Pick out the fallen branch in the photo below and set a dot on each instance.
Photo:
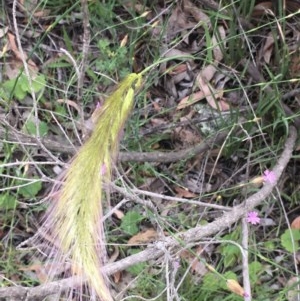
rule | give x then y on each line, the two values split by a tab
10	135
156	250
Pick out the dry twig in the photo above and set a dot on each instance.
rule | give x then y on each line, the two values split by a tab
12	136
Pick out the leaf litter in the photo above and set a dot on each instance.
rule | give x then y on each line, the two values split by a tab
190	31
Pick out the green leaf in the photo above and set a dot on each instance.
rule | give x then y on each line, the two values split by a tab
19	87
286	240
14	87
211	282
30	128
30	190
38	84
231	253
254	268
269	245
103	44
7	201
130	222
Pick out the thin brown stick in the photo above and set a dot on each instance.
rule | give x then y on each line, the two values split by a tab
10	135
192	236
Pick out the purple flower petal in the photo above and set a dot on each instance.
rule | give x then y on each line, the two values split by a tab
253	218
269	176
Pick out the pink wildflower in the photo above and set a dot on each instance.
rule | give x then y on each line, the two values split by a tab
269	176
253	218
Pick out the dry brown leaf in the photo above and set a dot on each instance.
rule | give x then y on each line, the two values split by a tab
197	266
72	104
190	100
210	93
196	12
39	271
117	276
261	8
186	136
12	69
124	41
295	64
203	80
42	13
157	121
176	53
139	8
216	40
178	22
42	271
268	47
184	193
195	97
178	69
296	223
147	236
119	214
205	76
13	46
220	105
156	106
216	104
235	287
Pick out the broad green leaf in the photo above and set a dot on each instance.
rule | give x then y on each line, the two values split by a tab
269	245
7	201
30	190
286	240
15	88
254	268
211	282
19	87
230	254
130	222
30	128
38	83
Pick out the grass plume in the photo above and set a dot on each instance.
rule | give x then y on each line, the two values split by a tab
75	217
